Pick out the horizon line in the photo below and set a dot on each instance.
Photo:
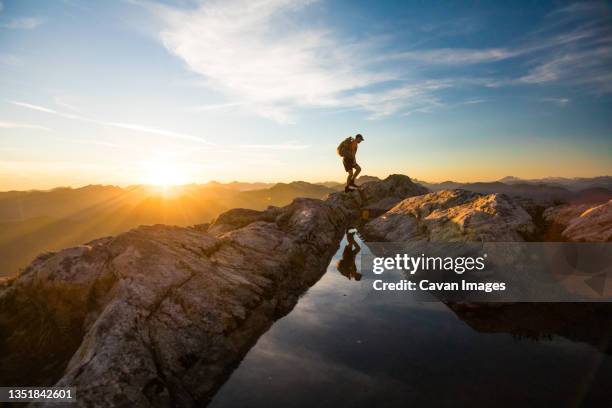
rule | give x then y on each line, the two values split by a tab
172	186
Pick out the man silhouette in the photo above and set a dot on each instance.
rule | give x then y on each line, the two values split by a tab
347	266
349	160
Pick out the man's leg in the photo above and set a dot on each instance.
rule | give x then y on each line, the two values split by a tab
348	180
354	177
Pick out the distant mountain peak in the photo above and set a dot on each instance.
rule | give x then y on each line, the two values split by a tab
508	179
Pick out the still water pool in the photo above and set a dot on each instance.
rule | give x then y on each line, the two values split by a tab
345	344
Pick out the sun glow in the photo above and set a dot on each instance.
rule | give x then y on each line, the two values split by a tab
164	173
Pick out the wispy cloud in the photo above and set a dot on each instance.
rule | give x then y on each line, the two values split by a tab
156	131
282	146
557	101
23	23
20	23
17	125
455	56
264	58
128	126
586	7
258	52
408	98
121	146
48	110
583	67
581	54
472	101
204	146
34	107
61	101
573	46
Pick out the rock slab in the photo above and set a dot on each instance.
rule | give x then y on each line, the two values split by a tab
452	216
159	316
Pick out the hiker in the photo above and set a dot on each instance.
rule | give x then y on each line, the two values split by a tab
347	266
348	150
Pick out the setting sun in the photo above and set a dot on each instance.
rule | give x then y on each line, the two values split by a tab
165	173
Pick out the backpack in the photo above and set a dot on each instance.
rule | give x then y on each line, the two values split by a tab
344	146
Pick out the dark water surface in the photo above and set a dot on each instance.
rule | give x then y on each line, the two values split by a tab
346	345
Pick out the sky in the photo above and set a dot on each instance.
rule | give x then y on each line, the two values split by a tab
132	91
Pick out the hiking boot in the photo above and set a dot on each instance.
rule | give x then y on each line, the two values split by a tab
347	189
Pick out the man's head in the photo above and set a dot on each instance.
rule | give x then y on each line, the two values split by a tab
359	138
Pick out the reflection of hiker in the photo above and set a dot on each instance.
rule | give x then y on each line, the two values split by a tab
348	150
346	266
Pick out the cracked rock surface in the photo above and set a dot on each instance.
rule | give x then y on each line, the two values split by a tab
159	315
452	216
582	222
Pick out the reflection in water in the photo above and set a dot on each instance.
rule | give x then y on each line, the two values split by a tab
347	265
586	322
347	345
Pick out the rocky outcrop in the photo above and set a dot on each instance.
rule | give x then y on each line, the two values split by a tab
581	222
163	312
394	189
563	214
159	315
241	217
593	225
452	216
396	186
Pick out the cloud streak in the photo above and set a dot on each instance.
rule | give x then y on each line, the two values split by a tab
557	101
21	23
455	56
127	126
261	55
256	52
24	23
282	146
144	129
16	125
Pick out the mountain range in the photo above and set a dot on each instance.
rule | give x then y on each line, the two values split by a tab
548	191
32	222
36	221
